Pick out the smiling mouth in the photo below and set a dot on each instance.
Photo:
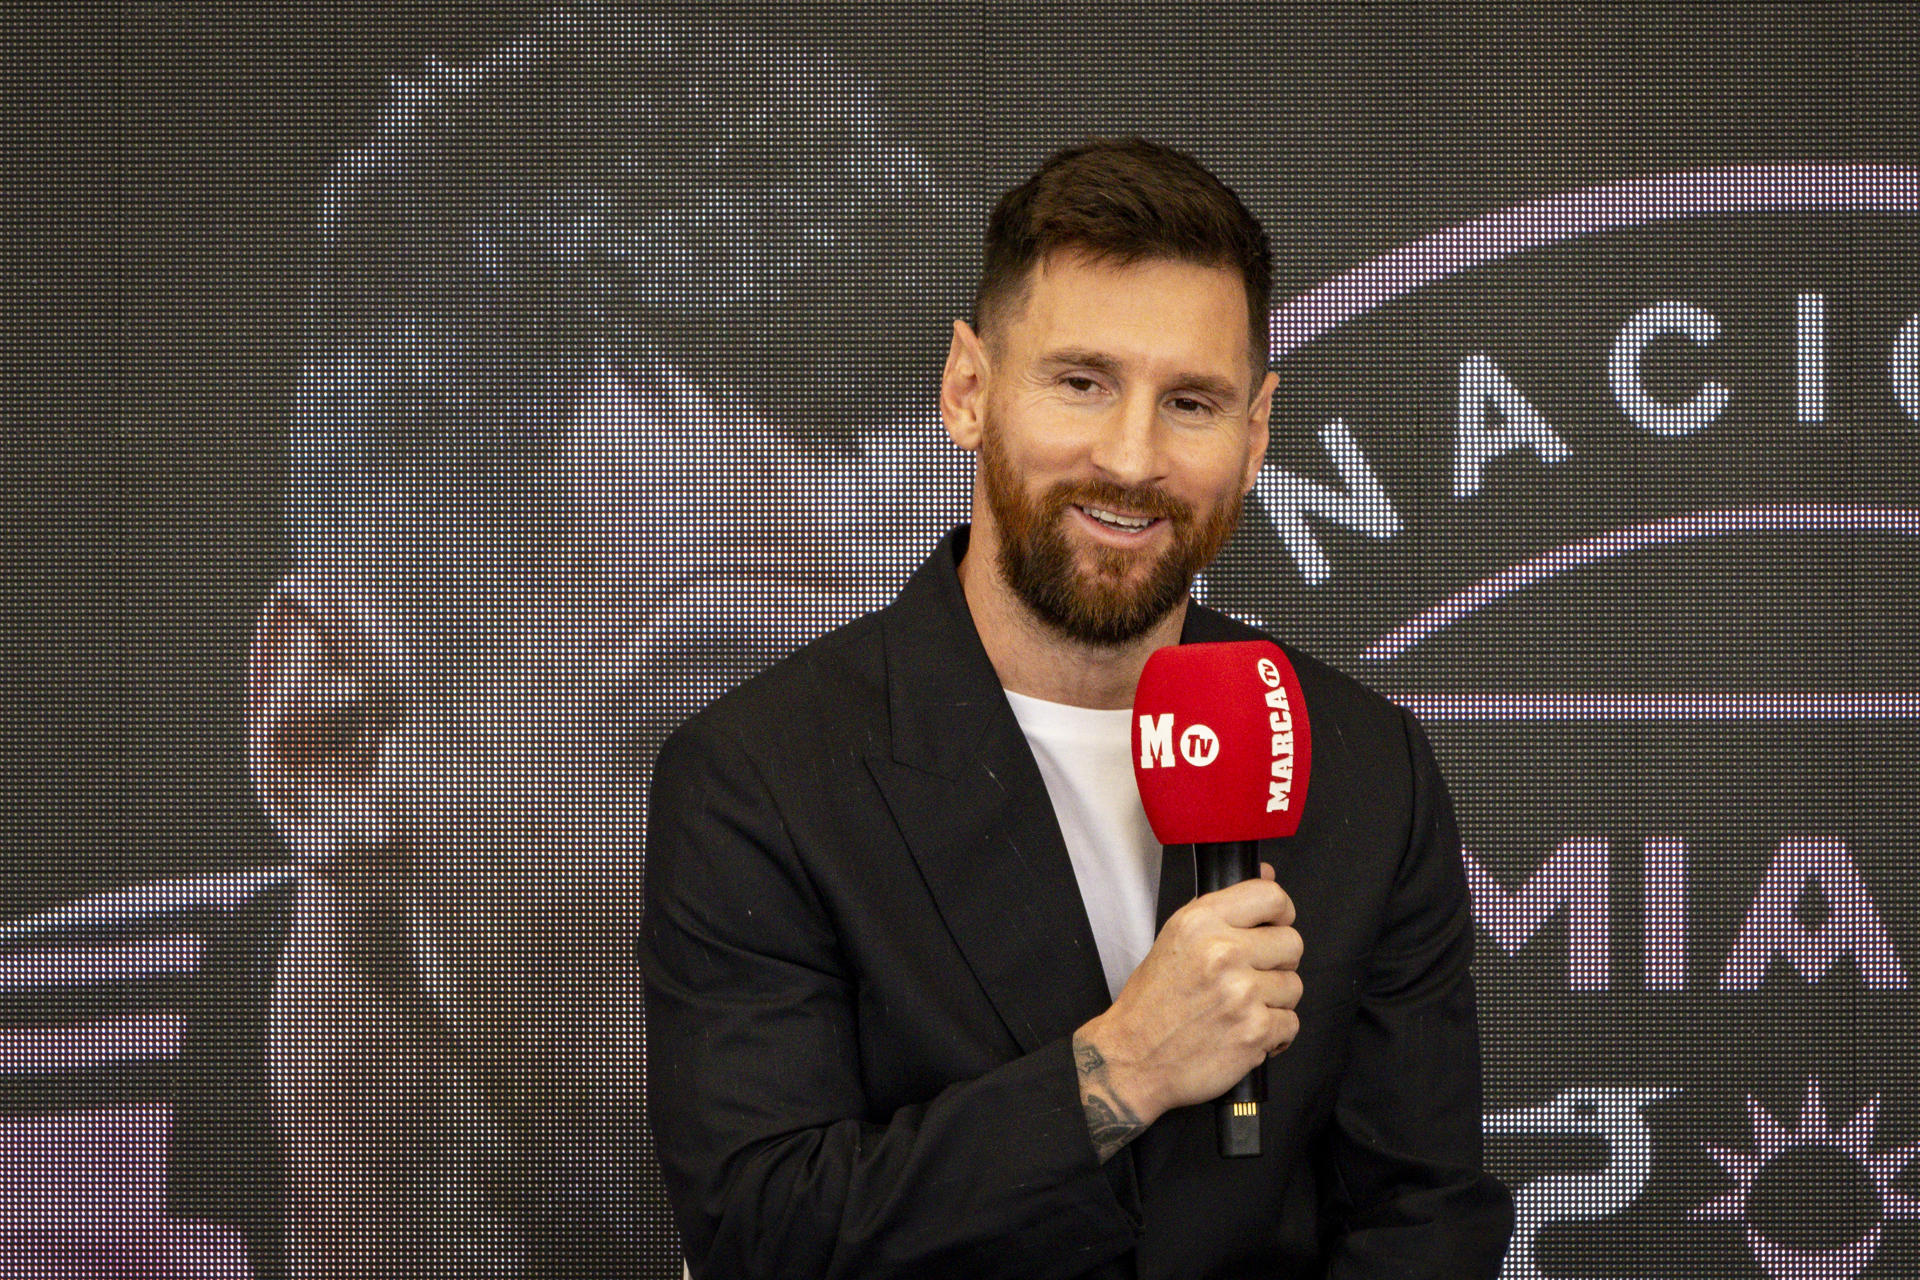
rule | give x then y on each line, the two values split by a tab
1116	521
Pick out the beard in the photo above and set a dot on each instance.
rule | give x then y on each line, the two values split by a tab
1109	602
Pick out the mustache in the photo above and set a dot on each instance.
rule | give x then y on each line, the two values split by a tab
1144	499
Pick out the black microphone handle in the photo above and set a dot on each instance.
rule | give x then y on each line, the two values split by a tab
1237	1111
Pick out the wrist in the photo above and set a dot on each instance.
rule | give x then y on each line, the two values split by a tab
1106	1063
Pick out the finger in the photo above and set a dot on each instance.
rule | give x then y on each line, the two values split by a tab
1267	872
1279	988
1286	1030
1274	947
1251	903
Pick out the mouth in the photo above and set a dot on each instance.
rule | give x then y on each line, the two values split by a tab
1118	521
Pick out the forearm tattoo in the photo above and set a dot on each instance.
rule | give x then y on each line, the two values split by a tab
1110	1120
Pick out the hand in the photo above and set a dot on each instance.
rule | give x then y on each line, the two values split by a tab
1214	998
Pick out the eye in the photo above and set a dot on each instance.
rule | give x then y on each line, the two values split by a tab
1081	383
1189	406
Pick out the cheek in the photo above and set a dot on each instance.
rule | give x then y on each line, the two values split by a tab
1252	459
1241	457
1215	475
1036	434
1070	441
501	775
527	830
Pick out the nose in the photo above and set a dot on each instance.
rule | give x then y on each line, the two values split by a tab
1127	450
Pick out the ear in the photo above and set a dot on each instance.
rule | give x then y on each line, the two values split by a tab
963	387
323	715
1258	429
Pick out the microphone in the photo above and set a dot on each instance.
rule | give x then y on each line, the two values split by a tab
1221	751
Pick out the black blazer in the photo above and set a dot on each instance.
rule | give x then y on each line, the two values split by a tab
865	955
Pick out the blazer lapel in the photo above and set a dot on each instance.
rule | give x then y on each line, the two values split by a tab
970	803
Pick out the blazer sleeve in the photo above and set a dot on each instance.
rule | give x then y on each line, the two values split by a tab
1409	1194
772	1157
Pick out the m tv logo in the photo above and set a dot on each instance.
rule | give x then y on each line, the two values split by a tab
1199	745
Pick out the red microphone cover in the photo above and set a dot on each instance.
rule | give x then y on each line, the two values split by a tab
1220	743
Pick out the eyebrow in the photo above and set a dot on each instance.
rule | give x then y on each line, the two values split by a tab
1074	357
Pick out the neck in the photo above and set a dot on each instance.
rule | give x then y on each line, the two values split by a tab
1033	658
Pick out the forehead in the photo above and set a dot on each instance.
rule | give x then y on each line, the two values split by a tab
1161	309
675	493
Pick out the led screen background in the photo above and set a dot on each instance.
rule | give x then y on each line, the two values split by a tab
1662	635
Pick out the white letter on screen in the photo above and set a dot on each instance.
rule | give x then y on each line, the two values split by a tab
1623	371
1483	387
1774	930
1903	367
1574	876
1289	498
1666	909
1810	356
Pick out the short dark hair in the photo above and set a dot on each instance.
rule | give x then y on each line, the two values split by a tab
1123	200
612	186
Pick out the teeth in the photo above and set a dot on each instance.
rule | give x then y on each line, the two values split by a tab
1132	524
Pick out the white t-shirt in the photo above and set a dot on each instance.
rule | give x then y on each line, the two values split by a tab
1085	757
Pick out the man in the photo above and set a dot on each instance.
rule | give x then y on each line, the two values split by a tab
553	440
911	1011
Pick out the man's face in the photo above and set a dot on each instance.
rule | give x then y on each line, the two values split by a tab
710	545
1122	430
